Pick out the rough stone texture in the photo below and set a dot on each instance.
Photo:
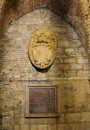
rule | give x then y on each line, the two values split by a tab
70	10
85	10
69	73
12	9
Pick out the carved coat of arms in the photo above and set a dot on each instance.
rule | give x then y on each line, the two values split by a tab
42	48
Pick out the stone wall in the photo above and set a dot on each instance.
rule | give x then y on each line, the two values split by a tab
12	9
70	10
69	73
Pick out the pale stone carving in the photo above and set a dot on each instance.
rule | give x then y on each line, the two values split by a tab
42	48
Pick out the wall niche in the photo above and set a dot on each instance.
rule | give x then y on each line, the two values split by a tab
68	74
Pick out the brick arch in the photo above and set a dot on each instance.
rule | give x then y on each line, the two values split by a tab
85	10
12	9
72	11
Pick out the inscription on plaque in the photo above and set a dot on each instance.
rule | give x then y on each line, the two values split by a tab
41	100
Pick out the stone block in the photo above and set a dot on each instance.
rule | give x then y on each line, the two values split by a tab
86	67
22	120
24	127
70	51
63	67
83	73
75	66
77	126
63	127
71	117
81	50
82	60
69	60
60	51
86	126
70	73
52	127
76	43
64	43
38	127
85	117
22	28
16	127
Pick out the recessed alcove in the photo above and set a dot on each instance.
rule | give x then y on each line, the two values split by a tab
68	76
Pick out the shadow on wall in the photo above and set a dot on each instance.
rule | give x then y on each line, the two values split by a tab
70	11
3	41
62	7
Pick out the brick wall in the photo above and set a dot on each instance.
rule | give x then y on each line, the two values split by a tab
85	7
69	73
70	10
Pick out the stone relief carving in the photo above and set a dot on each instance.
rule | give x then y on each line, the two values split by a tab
42	48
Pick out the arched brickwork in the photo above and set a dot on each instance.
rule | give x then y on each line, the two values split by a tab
69	72
85	10
76	13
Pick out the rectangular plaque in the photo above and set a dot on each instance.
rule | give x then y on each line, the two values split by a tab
40	101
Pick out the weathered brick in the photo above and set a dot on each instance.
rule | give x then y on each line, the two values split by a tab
72	73
82	50
83	73
75	66
70	51
69	60
82	60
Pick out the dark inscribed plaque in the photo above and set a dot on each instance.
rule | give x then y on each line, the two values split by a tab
42	100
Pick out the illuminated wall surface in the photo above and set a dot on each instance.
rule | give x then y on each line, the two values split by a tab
54	98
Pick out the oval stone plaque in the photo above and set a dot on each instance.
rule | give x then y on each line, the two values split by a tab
42	48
